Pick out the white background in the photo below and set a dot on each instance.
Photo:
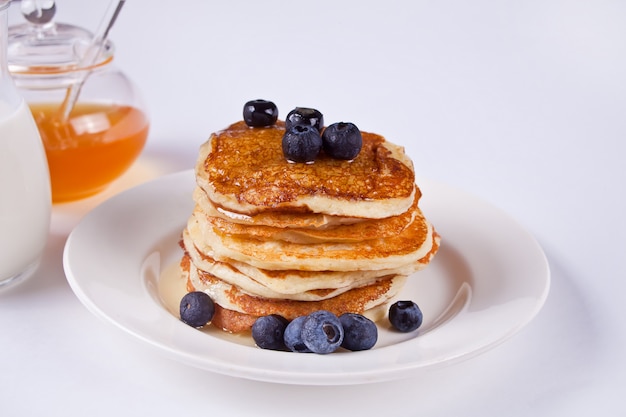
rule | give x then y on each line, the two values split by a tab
521	103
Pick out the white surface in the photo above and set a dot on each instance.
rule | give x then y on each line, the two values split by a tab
519	103
489	279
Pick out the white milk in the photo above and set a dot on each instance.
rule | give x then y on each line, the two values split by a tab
25	201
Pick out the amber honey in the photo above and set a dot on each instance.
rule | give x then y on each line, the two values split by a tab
94	146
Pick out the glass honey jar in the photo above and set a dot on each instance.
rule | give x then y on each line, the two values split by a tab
90	115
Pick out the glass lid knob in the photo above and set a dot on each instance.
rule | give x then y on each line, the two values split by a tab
38	12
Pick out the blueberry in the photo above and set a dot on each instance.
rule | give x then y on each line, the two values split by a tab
260	113
305	116
342	141
196	309
293	336
322	332
405	316
302	143
359	332
268	332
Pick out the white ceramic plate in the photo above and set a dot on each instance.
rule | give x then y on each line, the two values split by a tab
488	280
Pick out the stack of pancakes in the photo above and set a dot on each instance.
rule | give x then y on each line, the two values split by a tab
272	237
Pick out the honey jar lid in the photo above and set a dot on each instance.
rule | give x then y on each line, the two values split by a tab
41	46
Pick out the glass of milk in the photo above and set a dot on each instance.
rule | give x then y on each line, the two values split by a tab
25	199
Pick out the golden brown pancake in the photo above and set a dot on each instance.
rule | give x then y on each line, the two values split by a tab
288	284
404	248
239	309
291	284
366	229
243	170
282	219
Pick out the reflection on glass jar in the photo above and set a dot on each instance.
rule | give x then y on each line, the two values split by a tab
106	129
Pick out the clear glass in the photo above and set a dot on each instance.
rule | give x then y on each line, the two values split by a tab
24	180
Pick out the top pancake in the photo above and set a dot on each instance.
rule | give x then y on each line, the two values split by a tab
243	170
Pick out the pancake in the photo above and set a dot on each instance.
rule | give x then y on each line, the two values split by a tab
365	229
290	284
408	247
243	170
282	219
238	310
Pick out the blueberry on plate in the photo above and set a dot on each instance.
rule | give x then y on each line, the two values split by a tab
342	141
359	332
301	143
260	113
293	336
268	332
305	116
405	316
196	309
322	332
